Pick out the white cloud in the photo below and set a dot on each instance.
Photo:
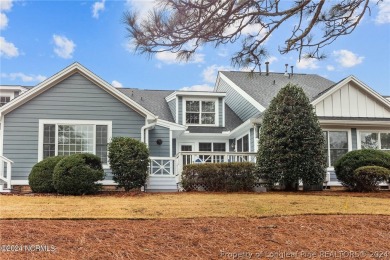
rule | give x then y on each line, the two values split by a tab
347	58
116	84
142	7
23	77
170	58
272	59
8	49
384	12
330	68
203	87
5	5
97	7
209	74
64	47
3	21
307	63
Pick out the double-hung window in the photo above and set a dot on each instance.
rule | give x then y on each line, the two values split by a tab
4	100
375	140
71	137
336	145
200	112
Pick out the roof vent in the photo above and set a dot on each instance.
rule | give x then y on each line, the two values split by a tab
266	68
292	70
286	73
274	82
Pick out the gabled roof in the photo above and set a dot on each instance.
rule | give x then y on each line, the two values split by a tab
152	100
65	73
358	83
263	88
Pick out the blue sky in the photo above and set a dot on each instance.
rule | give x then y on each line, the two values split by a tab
39	38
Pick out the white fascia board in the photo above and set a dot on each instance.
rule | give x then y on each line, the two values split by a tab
359	83
200	94
68	71
246	125
208	135
242	92
171	97
353	122
170	125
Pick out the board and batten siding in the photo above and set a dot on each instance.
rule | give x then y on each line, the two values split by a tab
180	110
242	107
172	107
75	98
162	150
350	101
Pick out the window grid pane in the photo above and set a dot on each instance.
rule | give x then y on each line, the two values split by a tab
4	100
385	141
369	140
75	139
200	112
49	141
101	142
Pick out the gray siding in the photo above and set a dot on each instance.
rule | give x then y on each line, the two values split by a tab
180	109
251	140
173	147
243	108
220	112
75	98
172	107
162	133
354	138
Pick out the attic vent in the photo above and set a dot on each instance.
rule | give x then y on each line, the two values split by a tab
267	68
285	72
274	82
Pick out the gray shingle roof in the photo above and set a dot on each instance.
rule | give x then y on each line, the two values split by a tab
263	88
152	100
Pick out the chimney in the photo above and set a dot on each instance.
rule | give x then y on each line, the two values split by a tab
266	68
292	70
285	73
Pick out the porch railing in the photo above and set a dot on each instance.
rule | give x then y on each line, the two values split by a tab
5	174
162	166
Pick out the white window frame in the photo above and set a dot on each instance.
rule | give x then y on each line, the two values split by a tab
7	95
241	137
57	122
359	140
349	137
215	100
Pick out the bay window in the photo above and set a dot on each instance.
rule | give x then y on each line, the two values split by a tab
375	140
200	112
71	137
336	145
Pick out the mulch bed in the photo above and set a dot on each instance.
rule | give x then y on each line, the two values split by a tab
292	237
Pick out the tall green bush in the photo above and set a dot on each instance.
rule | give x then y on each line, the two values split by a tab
77	174
291	143
349	162
41	175
129	160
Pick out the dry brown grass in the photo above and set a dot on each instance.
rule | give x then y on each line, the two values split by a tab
187	205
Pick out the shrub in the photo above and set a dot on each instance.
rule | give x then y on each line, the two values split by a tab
219	176
369	177
77	174
41	175
129	160
291	143
348	163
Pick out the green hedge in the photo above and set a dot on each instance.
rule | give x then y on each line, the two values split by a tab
348	163
369	177
228	177
77	174
41	175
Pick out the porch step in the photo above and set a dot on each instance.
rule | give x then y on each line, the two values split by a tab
161	184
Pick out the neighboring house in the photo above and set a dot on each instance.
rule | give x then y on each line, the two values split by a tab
7	93
76	111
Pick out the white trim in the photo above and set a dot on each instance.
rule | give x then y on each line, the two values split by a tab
359	83
57	122
216	113
170	143
353	122
65	73
177	111
241	128
170	125
241	137
223	113
359	141
241	92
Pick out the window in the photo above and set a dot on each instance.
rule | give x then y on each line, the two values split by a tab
200	112
243	144
336	145
212	147
63	138
4	100
375	140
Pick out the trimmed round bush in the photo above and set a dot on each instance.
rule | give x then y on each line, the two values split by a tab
41	175
369	177
77	174
348	163
129	161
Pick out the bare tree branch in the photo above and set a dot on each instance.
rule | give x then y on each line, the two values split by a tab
182	26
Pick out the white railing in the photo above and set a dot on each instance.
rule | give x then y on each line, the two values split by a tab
5	174
161	166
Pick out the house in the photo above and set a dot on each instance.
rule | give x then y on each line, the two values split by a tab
76	111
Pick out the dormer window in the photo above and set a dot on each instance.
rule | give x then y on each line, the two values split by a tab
200	112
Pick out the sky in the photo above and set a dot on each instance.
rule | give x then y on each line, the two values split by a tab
40	38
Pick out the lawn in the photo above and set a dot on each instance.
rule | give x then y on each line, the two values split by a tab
187	205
